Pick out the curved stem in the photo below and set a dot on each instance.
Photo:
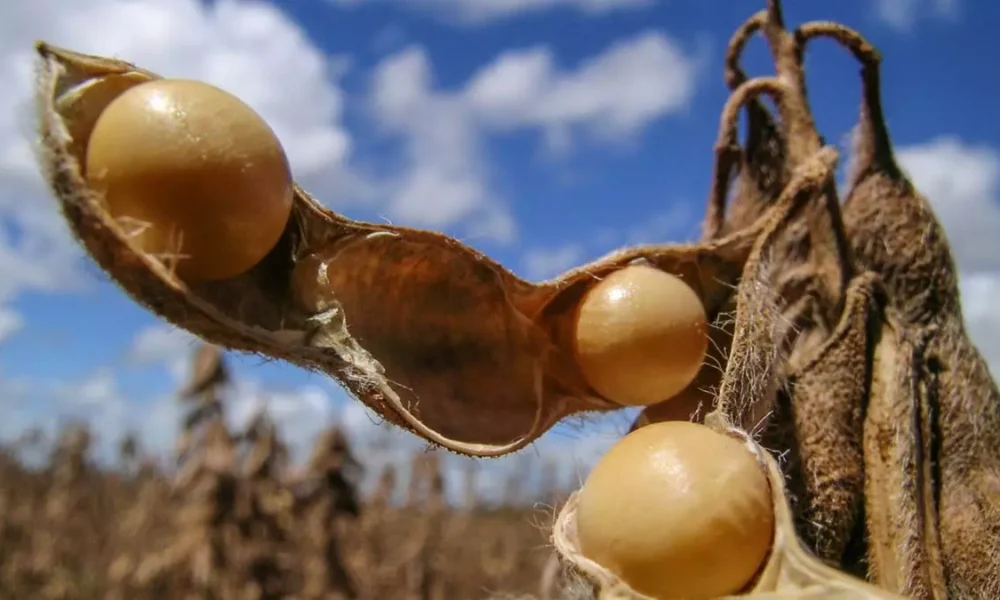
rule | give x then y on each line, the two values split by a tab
802	138
727	149
760	124
761	127
734	51
872	144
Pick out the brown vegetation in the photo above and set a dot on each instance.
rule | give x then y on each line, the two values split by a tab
233	520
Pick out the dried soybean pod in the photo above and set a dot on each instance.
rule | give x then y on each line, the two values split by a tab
826	381
764	170
830	253
892	227
824	400
432	335
788	91
932	430
815	422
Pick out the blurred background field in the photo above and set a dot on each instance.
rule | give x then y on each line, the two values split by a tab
230	515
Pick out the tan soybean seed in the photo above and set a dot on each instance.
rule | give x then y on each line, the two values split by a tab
678	510
193	173
641	335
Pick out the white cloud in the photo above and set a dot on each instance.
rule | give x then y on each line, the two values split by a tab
446	179
962	182
95	400
10	323
474	12
164	344
544	263
979	304
902	15
613	94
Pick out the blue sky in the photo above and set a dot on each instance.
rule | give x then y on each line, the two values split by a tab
543	132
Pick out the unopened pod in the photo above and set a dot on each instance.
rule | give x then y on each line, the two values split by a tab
692	512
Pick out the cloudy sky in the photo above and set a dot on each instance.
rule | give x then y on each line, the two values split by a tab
543	132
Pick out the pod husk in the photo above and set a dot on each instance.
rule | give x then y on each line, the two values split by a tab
431	334
789	573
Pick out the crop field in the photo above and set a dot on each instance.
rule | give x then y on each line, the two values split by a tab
235	519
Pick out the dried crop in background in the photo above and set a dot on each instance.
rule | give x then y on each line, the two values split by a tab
234	521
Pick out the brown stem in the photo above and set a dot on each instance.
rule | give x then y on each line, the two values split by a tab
802	138
726	160
872	145
760	124
727	149
735	76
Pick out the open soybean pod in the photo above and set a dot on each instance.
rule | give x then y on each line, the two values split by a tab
431	334
788	571
696	538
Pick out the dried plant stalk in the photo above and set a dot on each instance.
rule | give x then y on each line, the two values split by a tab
127	538
199	557
264	520
816	364
324	493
